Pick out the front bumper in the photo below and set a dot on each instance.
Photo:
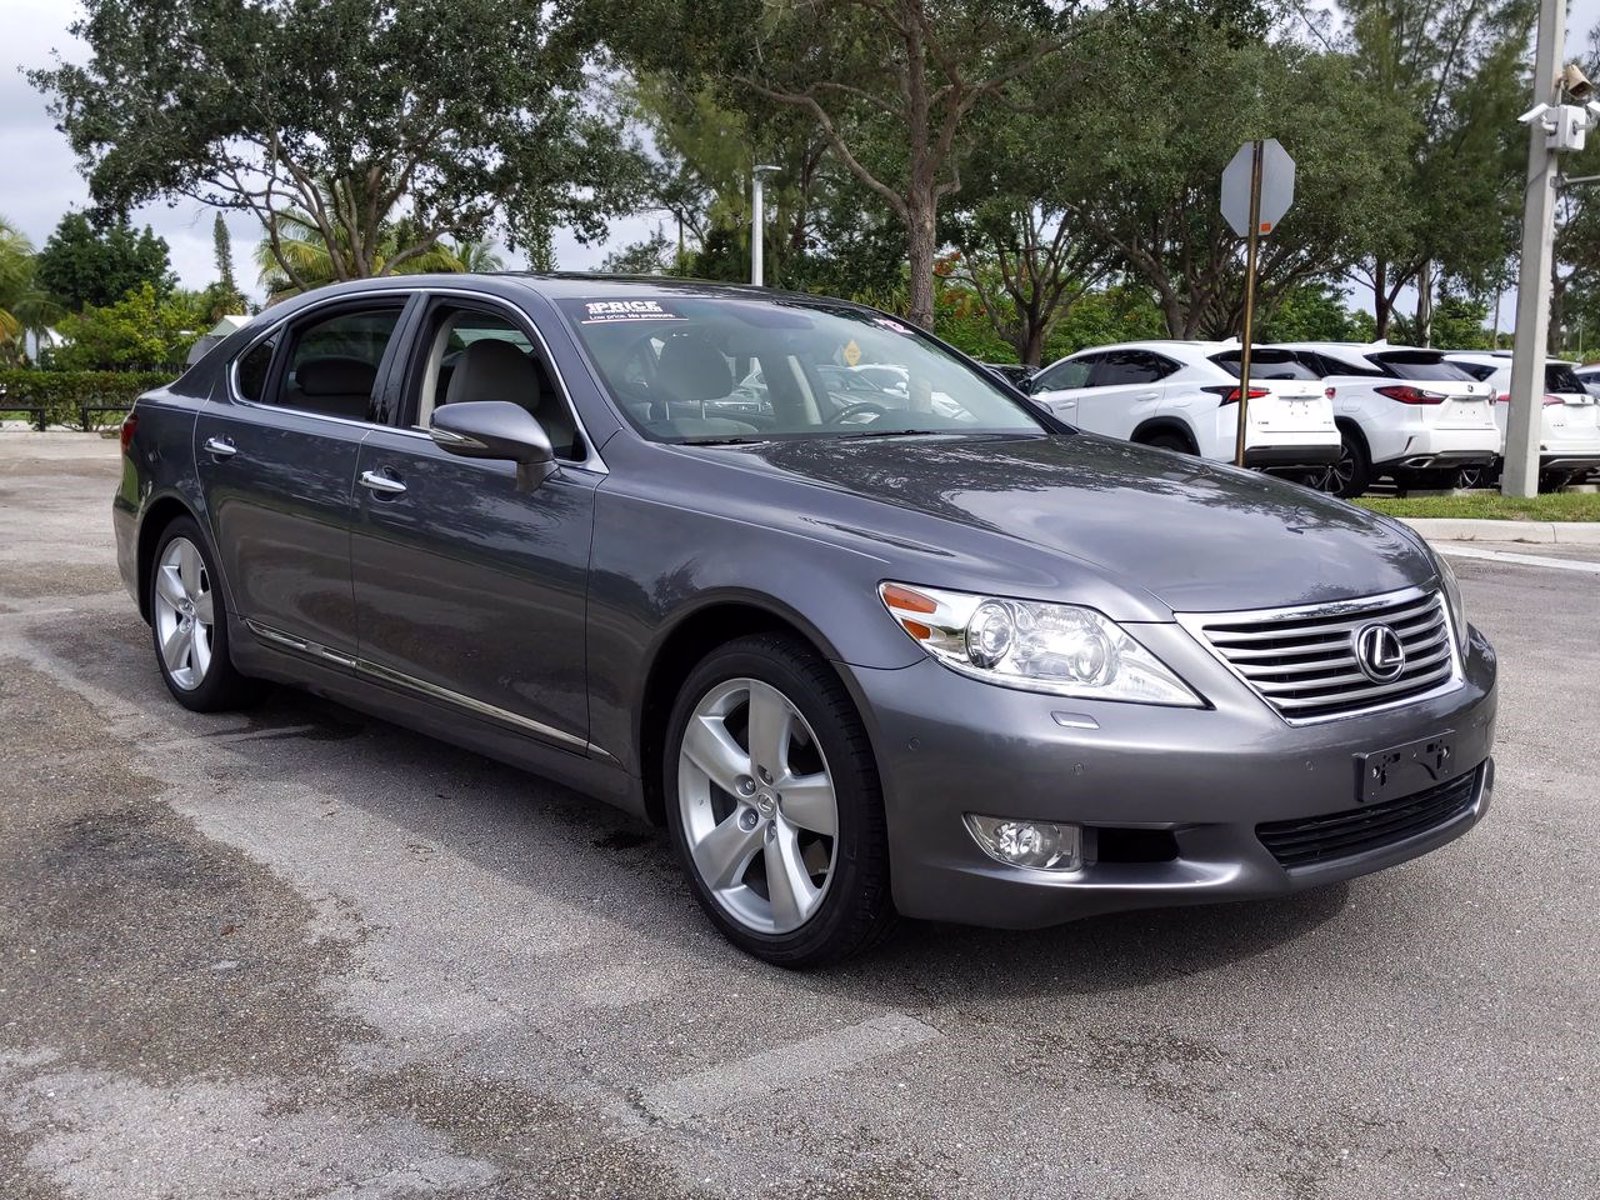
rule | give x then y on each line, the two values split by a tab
1203	779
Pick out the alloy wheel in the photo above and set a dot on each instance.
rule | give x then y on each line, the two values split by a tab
185	615
760	814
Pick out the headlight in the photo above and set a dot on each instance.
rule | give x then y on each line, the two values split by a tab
1057	648
1452	598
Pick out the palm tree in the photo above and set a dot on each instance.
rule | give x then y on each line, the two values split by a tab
24	308
475	257
301	244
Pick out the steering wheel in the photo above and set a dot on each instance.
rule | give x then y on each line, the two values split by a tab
846	414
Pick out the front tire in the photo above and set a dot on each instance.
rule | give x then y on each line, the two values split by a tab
189	625
774	804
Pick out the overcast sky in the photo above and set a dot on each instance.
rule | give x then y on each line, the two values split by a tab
39	180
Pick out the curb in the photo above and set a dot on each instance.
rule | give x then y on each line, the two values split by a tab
1460	529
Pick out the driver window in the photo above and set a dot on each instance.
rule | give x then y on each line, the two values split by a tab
473	355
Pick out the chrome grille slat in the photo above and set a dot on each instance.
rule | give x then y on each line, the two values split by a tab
1302	661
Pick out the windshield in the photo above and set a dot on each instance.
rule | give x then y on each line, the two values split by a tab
688	368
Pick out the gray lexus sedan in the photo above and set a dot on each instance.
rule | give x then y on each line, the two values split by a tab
912	647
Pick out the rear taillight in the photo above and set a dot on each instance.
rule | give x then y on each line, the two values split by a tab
1411	395
1230	395
1330	392
130	424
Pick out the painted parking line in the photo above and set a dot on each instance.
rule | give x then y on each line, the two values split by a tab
1520	560
761	1075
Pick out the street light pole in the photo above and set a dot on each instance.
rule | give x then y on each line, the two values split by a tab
758	223
1521	474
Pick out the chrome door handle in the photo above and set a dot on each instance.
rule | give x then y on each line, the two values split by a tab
220	447
381	483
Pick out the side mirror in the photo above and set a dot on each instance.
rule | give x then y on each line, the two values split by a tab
496	429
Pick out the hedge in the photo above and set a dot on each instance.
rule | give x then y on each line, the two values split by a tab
71	397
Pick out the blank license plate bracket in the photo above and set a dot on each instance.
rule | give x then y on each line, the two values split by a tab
1401	770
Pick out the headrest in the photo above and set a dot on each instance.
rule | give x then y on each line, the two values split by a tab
490	369
335	377
691	368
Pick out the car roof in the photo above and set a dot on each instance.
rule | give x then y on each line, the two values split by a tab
1168	344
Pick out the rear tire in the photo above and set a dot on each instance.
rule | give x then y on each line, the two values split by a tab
189	625
1352	474
766	756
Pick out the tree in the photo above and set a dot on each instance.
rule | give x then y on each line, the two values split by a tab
890	85
1453	69
476	258
466	115
1146	172
223	297
24	308
296	257
143	331
83	263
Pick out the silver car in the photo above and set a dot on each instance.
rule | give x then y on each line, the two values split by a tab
942	657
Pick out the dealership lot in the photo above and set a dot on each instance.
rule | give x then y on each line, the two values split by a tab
300	952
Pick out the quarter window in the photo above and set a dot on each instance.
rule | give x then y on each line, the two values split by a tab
252	372
333	363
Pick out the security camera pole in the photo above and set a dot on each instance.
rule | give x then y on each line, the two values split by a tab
1521	474
758	222
1257	189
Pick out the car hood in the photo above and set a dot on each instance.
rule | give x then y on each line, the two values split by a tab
1196	537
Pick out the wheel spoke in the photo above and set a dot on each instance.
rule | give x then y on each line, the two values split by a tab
724	854
170	587
808	801
789	887
711	747
199	651
189	568
175	648
769	728
204	609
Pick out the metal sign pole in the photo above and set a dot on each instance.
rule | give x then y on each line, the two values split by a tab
1249	299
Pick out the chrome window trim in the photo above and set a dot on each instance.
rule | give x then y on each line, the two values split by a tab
373	670
590	462
1195	622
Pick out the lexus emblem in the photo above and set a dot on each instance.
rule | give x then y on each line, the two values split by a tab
1379	653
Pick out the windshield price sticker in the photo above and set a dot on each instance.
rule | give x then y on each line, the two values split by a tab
601	312
890	324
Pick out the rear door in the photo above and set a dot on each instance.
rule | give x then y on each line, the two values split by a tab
1295	405
276	461
469	590
1465	403
1124	389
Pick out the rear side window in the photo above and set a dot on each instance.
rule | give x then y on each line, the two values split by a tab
1266	364
333	363
1420	365
1074	373
1130	367
252	371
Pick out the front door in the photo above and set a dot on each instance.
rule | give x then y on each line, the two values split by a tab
469	589
276	460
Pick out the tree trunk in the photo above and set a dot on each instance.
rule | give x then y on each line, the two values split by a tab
1380	301
1425	303
921	243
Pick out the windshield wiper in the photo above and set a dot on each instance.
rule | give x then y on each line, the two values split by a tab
885	433
732	440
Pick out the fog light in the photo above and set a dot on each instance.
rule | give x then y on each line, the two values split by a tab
1041	845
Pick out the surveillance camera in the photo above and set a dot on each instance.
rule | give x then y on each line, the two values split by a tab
1576	83
1533	114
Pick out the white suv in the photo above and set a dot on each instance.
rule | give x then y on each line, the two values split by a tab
1402	412
1184	396
1569	424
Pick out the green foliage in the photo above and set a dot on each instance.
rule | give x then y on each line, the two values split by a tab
1458	324
465	114
959	318
1313	312
141	332
64	394
1121	313
24	307
83	264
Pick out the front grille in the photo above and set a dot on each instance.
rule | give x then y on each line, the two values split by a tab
1338	835
1303	661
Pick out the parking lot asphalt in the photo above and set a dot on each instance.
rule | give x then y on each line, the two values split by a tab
302	953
